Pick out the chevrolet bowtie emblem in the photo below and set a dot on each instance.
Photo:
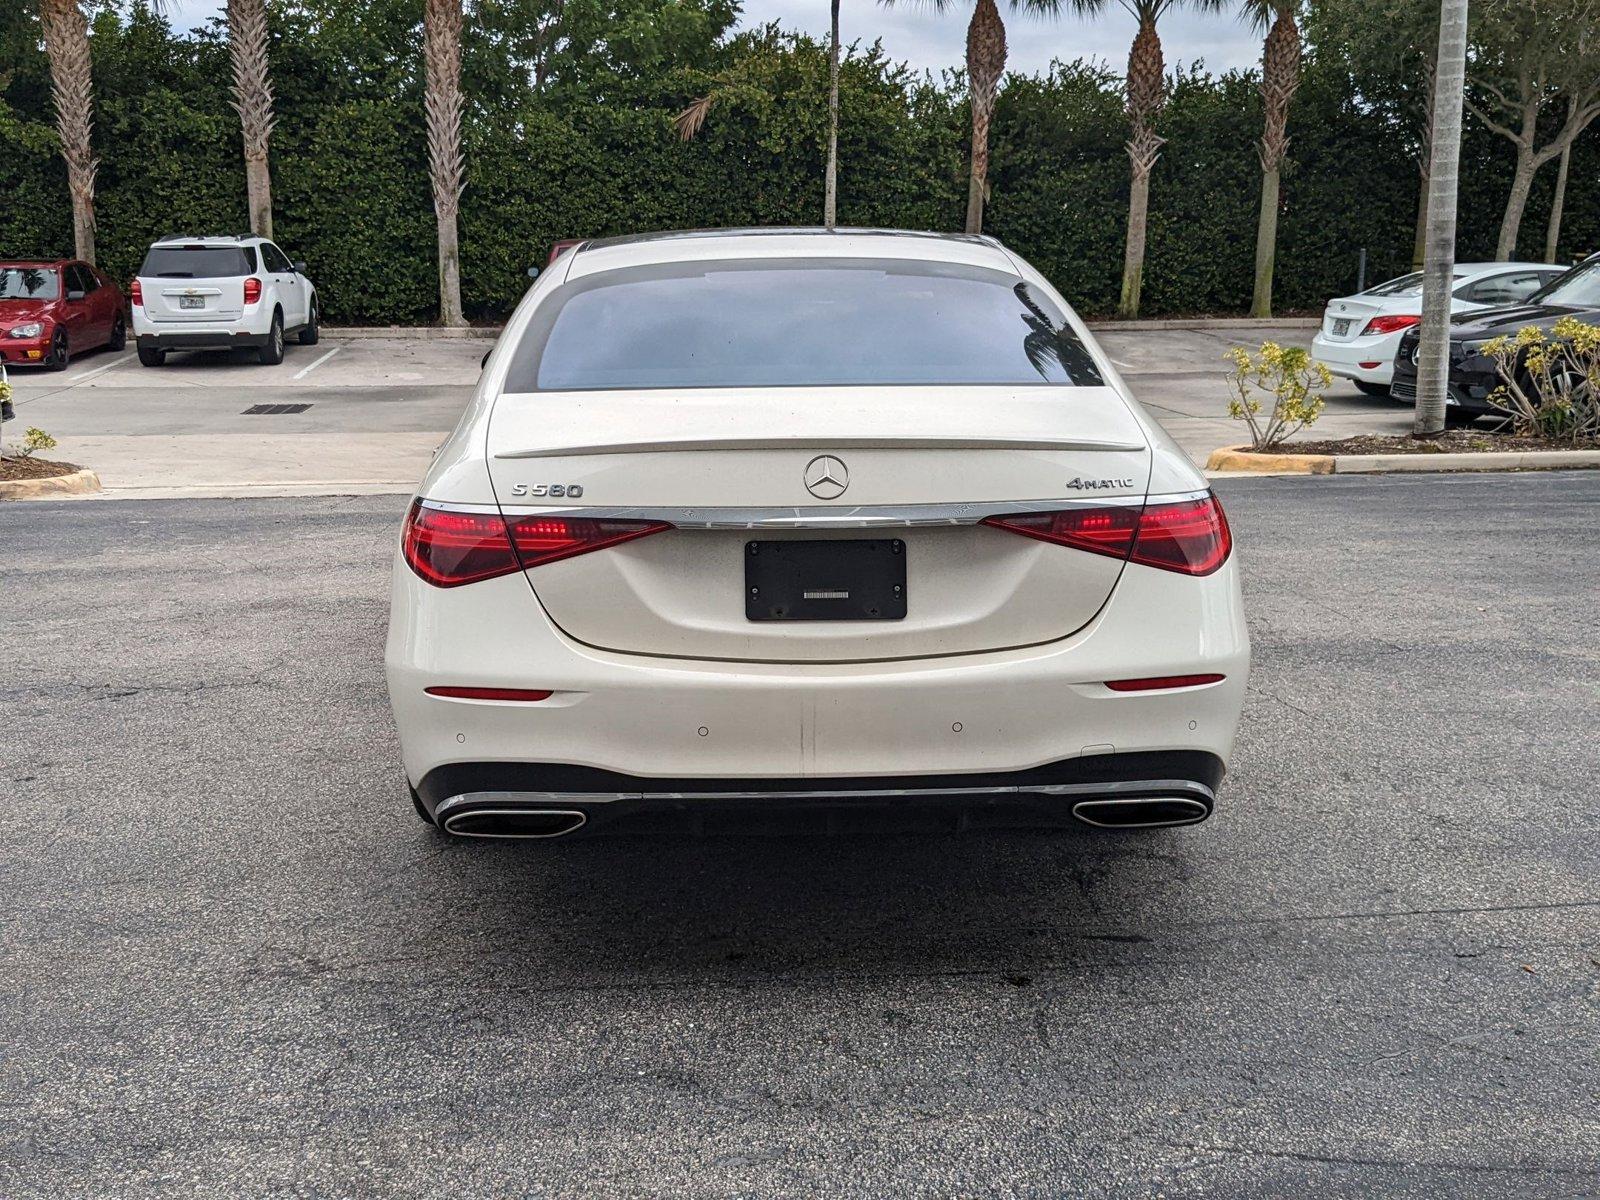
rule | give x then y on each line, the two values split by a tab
826	477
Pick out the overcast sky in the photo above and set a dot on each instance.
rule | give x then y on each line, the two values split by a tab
914	33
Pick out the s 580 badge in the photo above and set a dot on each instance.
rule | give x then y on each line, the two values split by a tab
570	490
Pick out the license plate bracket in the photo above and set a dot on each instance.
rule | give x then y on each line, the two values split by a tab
1341	327
859	579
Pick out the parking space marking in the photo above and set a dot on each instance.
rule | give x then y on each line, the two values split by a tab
306	370
74	380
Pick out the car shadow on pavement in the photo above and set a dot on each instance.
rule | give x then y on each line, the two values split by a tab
682	909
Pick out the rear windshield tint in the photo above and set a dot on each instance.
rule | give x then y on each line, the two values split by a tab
198	262
797	323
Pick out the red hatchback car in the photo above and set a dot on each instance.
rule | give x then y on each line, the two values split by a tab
50	311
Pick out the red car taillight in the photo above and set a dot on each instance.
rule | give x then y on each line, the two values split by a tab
1393	323
137	295
252	290
448	549
1188	536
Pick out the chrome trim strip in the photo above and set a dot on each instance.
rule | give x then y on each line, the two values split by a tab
1176	789
844	442
861	516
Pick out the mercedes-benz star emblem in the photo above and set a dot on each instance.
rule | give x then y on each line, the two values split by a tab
826	477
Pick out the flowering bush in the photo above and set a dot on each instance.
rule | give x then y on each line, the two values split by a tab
1551	380
1287	375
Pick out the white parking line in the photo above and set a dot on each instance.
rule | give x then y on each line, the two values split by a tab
74	380
306	370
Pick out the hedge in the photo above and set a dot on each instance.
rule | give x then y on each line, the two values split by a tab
594	153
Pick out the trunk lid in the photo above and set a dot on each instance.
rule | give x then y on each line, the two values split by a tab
730	458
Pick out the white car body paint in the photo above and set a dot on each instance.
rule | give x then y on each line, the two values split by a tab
657	673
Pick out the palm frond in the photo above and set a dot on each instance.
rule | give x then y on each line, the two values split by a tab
690	120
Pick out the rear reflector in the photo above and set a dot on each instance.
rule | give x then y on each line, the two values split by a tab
448	549
1188	536
526	695
1157	682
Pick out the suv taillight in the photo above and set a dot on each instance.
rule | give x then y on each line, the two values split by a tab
1188	536
448	549
137	295
252	290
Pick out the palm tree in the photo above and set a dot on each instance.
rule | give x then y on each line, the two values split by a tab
1280	76
986	63
66	42
252	100
1433	352
830	201
1147	95
441	33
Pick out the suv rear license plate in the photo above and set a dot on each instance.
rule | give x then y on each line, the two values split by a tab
191	301
857	580
1341	327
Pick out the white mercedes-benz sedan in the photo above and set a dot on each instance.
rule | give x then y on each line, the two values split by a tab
820	523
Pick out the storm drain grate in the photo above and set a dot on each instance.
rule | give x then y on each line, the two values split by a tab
274	410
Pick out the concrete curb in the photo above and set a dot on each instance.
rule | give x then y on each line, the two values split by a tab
1241	460
1203	323
77	483
440	332
425	333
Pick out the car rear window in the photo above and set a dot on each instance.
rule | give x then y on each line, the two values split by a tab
29	283
797	323
198	262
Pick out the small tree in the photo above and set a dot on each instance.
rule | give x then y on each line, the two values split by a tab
1289	377
1550	381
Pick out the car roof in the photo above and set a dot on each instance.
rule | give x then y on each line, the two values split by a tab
208	239
692	245
36	262
1484	268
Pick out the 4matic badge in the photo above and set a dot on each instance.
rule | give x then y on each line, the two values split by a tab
1097	484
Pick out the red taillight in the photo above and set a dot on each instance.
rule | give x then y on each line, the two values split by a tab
541	540
1393	323
448	549
252	290
1157	682
524	695
1190	536
137	295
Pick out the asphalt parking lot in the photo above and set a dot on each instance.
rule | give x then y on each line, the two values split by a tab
235	964
378	406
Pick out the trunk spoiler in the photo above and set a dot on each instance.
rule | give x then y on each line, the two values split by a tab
960	442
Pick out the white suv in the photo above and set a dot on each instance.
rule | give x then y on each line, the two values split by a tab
207	293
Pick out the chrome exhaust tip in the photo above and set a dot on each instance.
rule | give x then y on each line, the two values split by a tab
513	822
1144	812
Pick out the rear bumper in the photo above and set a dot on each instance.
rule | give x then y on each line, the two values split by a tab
989	714
1347	359
210	339
1174	788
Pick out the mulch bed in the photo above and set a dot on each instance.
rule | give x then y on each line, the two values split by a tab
33	468
1452	441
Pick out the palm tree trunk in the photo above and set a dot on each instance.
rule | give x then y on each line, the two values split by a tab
1552	234
1280	76
1521	184
1433	352
1146	95
830	203
66	42
1266	244
1133	251
252	100
441	21
986	62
